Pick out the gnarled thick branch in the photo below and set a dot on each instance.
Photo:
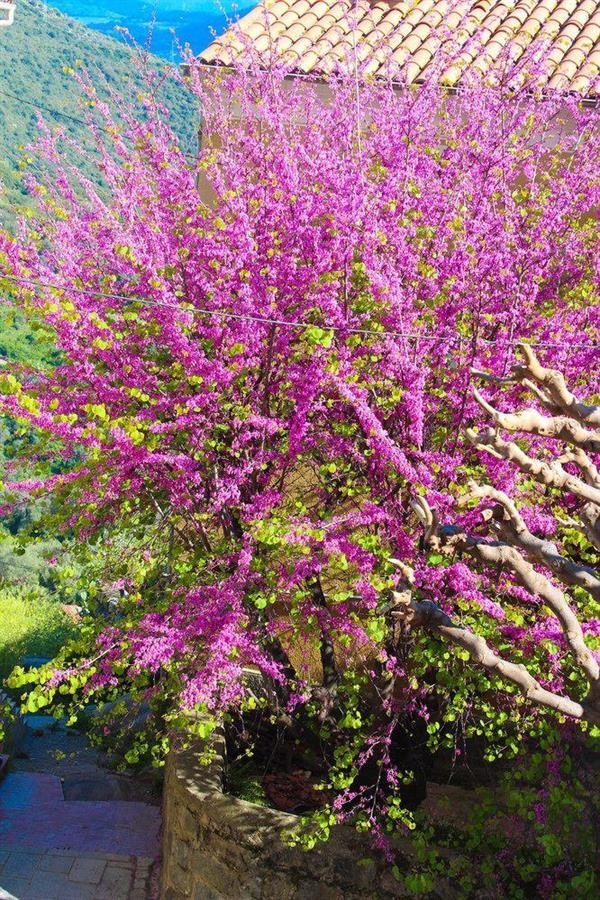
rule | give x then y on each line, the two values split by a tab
511	527
452	539
517	548
562	428
500	554
580	458
552	388
426	614
590	518
551	474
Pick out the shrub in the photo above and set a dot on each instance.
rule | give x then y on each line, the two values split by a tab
257	393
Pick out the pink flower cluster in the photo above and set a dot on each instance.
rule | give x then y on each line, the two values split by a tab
271	349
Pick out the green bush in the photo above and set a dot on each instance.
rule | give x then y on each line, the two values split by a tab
32	625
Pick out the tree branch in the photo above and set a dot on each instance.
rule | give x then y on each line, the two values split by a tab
426	614
584	463
559	427
551	474
513	530
449	538
554	388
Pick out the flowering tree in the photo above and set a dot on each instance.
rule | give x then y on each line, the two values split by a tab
517	546
261	397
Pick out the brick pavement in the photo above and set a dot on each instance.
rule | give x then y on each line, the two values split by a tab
71	875
56	849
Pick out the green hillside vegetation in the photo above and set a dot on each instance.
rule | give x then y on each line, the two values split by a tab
33	625
34	53
20	343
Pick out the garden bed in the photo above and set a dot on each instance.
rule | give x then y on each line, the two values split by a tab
216	845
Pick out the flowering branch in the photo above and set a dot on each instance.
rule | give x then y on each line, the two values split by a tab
518	547
427	614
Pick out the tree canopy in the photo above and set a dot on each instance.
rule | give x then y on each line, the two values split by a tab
262	398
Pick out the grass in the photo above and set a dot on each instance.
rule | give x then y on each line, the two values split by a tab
32	624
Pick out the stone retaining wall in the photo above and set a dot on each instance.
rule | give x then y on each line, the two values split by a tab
217	847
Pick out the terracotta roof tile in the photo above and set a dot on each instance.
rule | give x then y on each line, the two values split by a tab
315	35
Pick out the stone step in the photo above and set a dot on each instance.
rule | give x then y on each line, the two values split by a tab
20	790
40	724
128	827
34	662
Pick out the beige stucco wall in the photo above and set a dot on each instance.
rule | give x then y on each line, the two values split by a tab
563	124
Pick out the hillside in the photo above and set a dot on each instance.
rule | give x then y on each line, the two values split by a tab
184	21
33	55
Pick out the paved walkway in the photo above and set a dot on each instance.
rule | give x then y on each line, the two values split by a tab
70	830
65	875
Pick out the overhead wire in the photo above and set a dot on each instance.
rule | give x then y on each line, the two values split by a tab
266	320
239	316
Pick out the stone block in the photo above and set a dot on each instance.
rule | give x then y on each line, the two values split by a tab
123	862
316	890
205	892
392	886
218	876
34	662
188	824
170	893
144	862
179	879
52	863
114	884
87	870
13	888
361	876
40	723
278	888
233	855
181	853
21	864
73	891
46	885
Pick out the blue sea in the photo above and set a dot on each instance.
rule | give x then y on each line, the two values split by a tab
164	22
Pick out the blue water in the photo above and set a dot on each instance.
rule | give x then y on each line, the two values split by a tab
192	22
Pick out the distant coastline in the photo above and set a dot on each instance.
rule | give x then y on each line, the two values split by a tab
176	22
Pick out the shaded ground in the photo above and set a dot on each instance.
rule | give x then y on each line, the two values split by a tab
71	830
67	755
62	875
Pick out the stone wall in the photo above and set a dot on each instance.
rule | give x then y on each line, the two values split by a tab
217	846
